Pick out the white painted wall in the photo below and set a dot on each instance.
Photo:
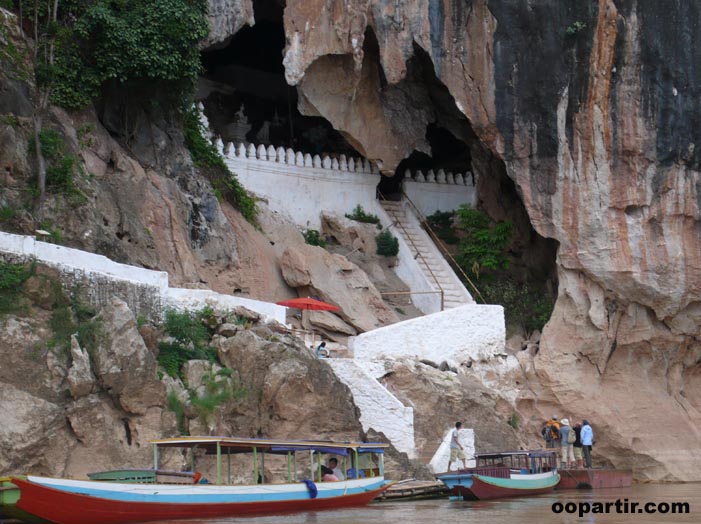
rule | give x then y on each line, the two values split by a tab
439	462
432	197
471	332
146	291
195	299
304	187
379	408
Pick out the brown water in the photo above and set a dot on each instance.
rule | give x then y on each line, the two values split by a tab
531	510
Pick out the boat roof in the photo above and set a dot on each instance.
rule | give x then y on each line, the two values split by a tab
530	453
246	445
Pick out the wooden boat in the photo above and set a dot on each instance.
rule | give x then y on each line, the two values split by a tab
119	499
505	474
594	478
9	495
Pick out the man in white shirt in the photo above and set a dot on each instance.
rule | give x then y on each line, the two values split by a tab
333	464
456	449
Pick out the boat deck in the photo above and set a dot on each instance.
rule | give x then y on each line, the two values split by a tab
594	478
415	490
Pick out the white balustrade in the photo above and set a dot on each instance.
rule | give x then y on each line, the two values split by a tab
341	163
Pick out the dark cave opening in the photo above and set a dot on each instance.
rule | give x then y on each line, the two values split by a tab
454	147
247	99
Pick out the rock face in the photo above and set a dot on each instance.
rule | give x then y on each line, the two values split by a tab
334	278
226	17
590	108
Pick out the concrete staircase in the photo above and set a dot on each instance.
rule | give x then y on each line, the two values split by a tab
379	409
434	266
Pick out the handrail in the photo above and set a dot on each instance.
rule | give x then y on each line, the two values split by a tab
418	252
441	245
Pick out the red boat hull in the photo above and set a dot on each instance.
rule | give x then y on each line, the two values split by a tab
594	478
480	490
63	507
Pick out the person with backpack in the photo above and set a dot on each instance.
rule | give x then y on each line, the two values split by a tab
567	438
551	433
578	445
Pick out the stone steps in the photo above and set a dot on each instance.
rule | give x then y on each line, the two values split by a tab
436	269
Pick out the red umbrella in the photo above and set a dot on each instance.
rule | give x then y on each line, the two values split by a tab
308	303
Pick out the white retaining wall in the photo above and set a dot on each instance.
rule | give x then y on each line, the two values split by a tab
379	409
441	458
146	291
461	334
441	191
301	185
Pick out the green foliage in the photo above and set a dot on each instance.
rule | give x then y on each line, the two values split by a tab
575	28
7	213
219	388
525	305
484	244
313	238
359	215
205	156
191	340
513	421
173	404
12	276
139	44
60	166
441	222
387	244
7	4
186	328
74	318
55	235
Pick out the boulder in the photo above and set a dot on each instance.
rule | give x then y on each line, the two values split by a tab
123	364
333	278
81	380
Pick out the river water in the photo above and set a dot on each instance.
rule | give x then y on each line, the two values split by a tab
530	510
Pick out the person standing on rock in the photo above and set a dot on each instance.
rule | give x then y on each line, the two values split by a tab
587	437
456	449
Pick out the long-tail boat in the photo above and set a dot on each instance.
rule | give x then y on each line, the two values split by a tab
505	474
138	495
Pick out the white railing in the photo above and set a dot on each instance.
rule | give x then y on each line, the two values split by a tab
290	157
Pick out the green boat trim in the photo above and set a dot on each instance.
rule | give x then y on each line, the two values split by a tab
9	495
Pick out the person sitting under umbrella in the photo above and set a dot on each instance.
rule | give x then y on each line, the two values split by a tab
321	351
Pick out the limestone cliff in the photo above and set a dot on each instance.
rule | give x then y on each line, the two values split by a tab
590	109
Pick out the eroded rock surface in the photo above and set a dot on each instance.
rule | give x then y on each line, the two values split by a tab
589	108
335	279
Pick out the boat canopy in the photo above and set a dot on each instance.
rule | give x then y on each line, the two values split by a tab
282	447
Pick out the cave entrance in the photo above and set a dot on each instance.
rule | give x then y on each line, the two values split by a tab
247	99
446	152
452	145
